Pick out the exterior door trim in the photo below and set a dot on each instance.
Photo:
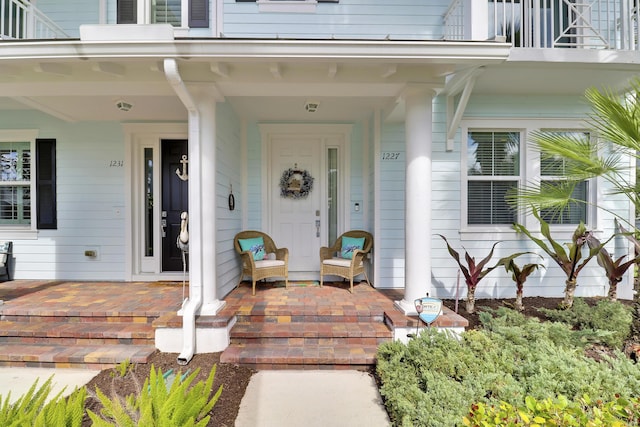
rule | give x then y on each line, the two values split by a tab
137	137
269	131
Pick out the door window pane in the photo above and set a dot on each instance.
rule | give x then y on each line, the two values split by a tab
148	202
332	197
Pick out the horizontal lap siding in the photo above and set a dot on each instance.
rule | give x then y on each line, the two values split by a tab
359	19
228	175
70	14
90	202
549	282
391	201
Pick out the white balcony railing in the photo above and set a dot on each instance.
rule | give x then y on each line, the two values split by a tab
19	19
585	24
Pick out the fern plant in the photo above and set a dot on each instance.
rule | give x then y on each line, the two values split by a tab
155	404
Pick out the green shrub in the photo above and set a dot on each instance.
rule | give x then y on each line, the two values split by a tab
434	379
611	318
156	404
558	411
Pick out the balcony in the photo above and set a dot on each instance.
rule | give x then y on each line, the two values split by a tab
577	24
22	20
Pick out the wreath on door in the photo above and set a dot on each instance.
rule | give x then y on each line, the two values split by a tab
295	184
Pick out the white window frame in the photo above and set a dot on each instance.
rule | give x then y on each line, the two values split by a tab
529	173
144	13
23	231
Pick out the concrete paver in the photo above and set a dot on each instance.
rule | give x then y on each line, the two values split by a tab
312	398
18	380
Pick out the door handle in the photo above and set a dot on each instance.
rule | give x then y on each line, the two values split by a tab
317	228
163	224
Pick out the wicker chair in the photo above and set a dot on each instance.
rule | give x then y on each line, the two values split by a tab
258	270
330	264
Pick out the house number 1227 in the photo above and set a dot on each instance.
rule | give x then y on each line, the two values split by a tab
390	155
116	163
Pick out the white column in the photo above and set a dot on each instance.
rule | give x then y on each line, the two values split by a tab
206	103
418	136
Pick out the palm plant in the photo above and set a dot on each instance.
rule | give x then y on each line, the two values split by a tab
474	272
568	260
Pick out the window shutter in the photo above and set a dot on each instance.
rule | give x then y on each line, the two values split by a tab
198	13
46	209
127	12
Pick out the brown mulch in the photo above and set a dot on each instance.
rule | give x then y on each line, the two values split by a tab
235	379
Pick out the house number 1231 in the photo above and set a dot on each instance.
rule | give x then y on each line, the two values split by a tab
390	155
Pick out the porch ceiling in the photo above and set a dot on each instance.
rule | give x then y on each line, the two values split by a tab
75	83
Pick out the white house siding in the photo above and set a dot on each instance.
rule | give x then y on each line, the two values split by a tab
228	174
360	19
90	200
356	178
391	202
447	205
70	14
254	178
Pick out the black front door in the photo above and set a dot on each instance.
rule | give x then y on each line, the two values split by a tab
175	200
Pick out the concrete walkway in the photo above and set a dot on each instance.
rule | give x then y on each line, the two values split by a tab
310	399
272	399
19	380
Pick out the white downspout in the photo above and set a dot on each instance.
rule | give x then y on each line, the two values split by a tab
194	302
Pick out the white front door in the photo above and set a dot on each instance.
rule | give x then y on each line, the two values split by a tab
297	220
303	224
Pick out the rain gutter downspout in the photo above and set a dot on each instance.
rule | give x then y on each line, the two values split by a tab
194	302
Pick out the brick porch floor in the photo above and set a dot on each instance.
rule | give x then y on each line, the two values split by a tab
99	324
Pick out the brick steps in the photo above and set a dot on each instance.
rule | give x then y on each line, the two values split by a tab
72	356
85	333
74	339
299	332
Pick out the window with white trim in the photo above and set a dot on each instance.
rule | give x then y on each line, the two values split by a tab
179	13
15	183
498	160
493	168
553	172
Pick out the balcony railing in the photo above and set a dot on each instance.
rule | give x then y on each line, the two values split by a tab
19	19
581	24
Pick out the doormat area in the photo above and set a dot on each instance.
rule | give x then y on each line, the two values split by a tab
297	283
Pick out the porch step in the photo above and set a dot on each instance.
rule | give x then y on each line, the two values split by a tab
74	337
300	329
72	356
311	333
83	333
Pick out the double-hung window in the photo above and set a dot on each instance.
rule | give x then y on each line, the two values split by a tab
498	161
553	172
179	13
27	183
493	169
15	183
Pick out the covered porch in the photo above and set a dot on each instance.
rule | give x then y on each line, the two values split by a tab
99	324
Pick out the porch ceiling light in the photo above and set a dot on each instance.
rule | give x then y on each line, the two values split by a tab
123	105
311	106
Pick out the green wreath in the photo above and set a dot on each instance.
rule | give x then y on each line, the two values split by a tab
295	184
